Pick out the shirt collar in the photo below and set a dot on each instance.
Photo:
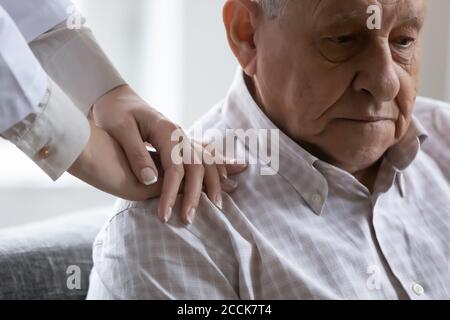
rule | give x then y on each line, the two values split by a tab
403	153
296	165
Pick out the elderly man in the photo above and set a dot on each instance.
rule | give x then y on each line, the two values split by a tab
360	205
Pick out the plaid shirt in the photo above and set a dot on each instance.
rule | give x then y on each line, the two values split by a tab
311	231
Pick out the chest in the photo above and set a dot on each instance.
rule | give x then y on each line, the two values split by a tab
357	248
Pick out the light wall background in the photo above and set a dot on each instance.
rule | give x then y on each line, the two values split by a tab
436	51
174	53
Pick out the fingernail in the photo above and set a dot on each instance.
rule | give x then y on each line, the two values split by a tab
218	201
225	174
148	176
229	184
190	216
167	214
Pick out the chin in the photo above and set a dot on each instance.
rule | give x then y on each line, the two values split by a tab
357	140
354	155
356	158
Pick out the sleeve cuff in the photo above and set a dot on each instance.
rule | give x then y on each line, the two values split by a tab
74	60
23	82
55	136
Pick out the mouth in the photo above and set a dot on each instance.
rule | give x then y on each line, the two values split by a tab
366	119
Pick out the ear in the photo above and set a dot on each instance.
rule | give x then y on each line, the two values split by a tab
240	18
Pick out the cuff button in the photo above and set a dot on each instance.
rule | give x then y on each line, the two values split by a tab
44	153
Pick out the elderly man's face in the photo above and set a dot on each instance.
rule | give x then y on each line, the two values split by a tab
342	91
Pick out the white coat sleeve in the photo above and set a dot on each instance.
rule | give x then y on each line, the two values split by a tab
35	114
75	61
22	80
35	17
55	135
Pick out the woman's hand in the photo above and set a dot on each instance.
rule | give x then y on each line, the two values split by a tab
104	165
129	123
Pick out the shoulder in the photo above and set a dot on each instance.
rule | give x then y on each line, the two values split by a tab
434	116
210	124
135	227
136	256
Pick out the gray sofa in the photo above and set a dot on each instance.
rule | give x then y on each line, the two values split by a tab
36	259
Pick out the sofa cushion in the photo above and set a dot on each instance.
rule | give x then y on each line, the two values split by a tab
37	261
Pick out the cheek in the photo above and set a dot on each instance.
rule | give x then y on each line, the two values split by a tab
406	99
330	87
325	88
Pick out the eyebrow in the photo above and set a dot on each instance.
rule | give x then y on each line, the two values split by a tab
354	15
415	21
357	16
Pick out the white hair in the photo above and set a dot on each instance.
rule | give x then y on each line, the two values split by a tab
272	8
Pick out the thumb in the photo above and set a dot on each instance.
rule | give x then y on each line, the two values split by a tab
138	157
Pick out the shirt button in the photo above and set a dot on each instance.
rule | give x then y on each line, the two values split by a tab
44	153
418	289
317	199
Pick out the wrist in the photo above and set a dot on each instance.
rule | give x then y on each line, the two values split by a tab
83	164
117	93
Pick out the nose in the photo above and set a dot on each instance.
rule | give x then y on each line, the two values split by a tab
377	74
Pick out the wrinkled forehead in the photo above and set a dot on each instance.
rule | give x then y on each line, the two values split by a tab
329	11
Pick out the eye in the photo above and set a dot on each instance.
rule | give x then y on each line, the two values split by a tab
403	49
405	42
340	48
342	40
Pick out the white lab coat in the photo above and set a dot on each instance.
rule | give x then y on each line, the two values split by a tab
33	18
22	80
47	88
